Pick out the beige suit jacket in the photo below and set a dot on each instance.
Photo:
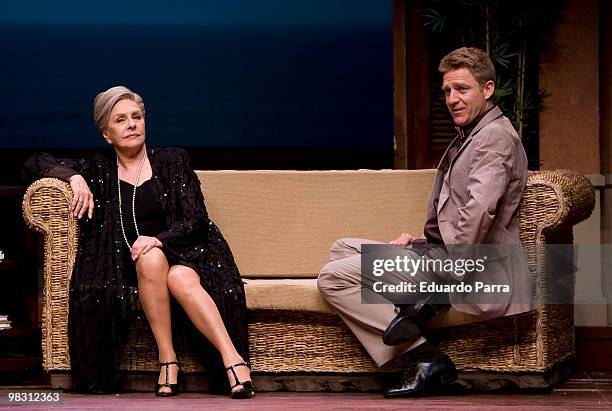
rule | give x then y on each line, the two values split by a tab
479	197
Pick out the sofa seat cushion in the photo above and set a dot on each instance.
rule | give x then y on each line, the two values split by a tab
299	294
303	295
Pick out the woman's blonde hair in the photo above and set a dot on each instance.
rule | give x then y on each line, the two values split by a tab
105	101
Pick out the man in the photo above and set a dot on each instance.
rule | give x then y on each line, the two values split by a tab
486	167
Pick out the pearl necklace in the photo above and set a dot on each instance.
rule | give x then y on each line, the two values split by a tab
144	157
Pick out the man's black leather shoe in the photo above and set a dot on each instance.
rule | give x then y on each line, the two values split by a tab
425	378
408	324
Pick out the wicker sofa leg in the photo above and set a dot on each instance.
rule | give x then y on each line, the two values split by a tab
488	380
61	380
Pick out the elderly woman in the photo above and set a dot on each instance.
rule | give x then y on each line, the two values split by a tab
143	220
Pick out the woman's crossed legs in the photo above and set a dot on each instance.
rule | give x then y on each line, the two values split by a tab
156	281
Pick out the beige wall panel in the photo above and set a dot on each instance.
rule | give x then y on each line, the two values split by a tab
569	74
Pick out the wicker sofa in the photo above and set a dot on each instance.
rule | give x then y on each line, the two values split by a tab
280	225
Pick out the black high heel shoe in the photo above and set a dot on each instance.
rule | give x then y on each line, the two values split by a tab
173	387
247	390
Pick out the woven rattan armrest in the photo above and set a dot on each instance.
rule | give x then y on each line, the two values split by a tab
46	209
560	199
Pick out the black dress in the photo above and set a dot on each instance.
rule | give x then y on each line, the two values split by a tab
100	310
149	214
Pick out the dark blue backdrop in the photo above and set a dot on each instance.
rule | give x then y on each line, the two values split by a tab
317	78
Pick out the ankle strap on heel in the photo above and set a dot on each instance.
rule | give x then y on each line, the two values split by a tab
167	365
173	388
233	367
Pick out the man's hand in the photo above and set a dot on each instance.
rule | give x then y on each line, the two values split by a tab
82	199
403	239
143	245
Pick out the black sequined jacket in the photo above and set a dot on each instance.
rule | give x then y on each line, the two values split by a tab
100	293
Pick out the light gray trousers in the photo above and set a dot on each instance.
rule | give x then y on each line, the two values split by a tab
340	284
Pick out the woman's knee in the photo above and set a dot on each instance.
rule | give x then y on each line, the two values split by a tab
182	280
152	265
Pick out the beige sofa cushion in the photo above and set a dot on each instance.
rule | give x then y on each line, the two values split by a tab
296	294
293	217
302	294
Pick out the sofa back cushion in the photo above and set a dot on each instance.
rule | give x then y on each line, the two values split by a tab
282	223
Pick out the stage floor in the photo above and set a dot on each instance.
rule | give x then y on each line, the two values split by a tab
584	391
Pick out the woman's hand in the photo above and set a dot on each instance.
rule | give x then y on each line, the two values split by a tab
143	245
82	199
403	239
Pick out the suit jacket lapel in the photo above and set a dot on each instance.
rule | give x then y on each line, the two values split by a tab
445	190
440	177
490	116
446	151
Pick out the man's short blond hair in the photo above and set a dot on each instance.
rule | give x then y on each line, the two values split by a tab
472	58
